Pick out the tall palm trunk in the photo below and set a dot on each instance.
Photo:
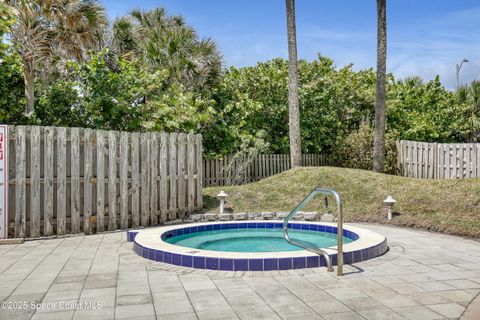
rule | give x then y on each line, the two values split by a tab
379	143
29	78
293	105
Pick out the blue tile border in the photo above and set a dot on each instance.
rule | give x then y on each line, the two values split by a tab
230	264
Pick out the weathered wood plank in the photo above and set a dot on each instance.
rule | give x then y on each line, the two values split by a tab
87	183
61	181
173	208
199	159
163	177
190	172
182	144
100	135
112	180
145	181
35	160
20	185
124	161
136	183
154	178
48	181
75	180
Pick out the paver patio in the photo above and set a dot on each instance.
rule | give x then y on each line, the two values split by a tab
423	276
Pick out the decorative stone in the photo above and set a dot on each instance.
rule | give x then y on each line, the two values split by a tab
281	215
310	216
210	216
240	216
254	216
173	222
299	216
327	217
225	217
267	215
196	217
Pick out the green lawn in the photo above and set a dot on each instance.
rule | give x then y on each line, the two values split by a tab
450	206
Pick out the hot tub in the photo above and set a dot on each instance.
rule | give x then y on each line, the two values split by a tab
253	245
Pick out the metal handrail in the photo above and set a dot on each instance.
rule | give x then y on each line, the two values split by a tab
313	249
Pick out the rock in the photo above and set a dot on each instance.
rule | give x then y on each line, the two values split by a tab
210	217
195	217
327	217
310	216
254	216
225	217
173	222
267	215
281	215
240	216
299	216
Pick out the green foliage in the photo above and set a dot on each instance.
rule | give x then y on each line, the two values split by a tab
158	74
469	99
121	98
163	42
11	80
255	98
60	105
356	149
112	98
12	99
7	18
423	111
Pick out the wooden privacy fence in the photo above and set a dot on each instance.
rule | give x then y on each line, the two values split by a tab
438	160
71	180
220	172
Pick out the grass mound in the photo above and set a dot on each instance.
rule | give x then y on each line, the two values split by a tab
450	206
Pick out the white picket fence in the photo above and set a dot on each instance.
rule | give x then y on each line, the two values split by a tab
71	180
438	160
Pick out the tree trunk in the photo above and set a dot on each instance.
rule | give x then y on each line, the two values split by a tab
293	104
29	78
379	142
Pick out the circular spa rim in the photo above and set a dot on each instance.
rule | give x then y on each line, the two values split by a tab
149	244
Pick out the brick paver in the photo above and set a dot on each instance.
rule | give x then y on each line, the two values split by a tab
423	276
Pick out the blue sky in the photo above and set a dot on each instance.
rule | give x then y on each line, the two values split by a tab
425	37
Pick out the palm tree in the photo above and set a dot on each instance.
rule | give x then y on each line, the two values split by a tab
293	104
163	42
469	97
53	28
379	141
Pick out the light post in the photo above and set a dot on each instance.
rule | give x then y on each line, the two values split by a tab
459	66
389	202
222	196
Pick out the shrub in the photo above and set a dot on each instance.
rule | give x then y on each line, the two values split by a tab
356	149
